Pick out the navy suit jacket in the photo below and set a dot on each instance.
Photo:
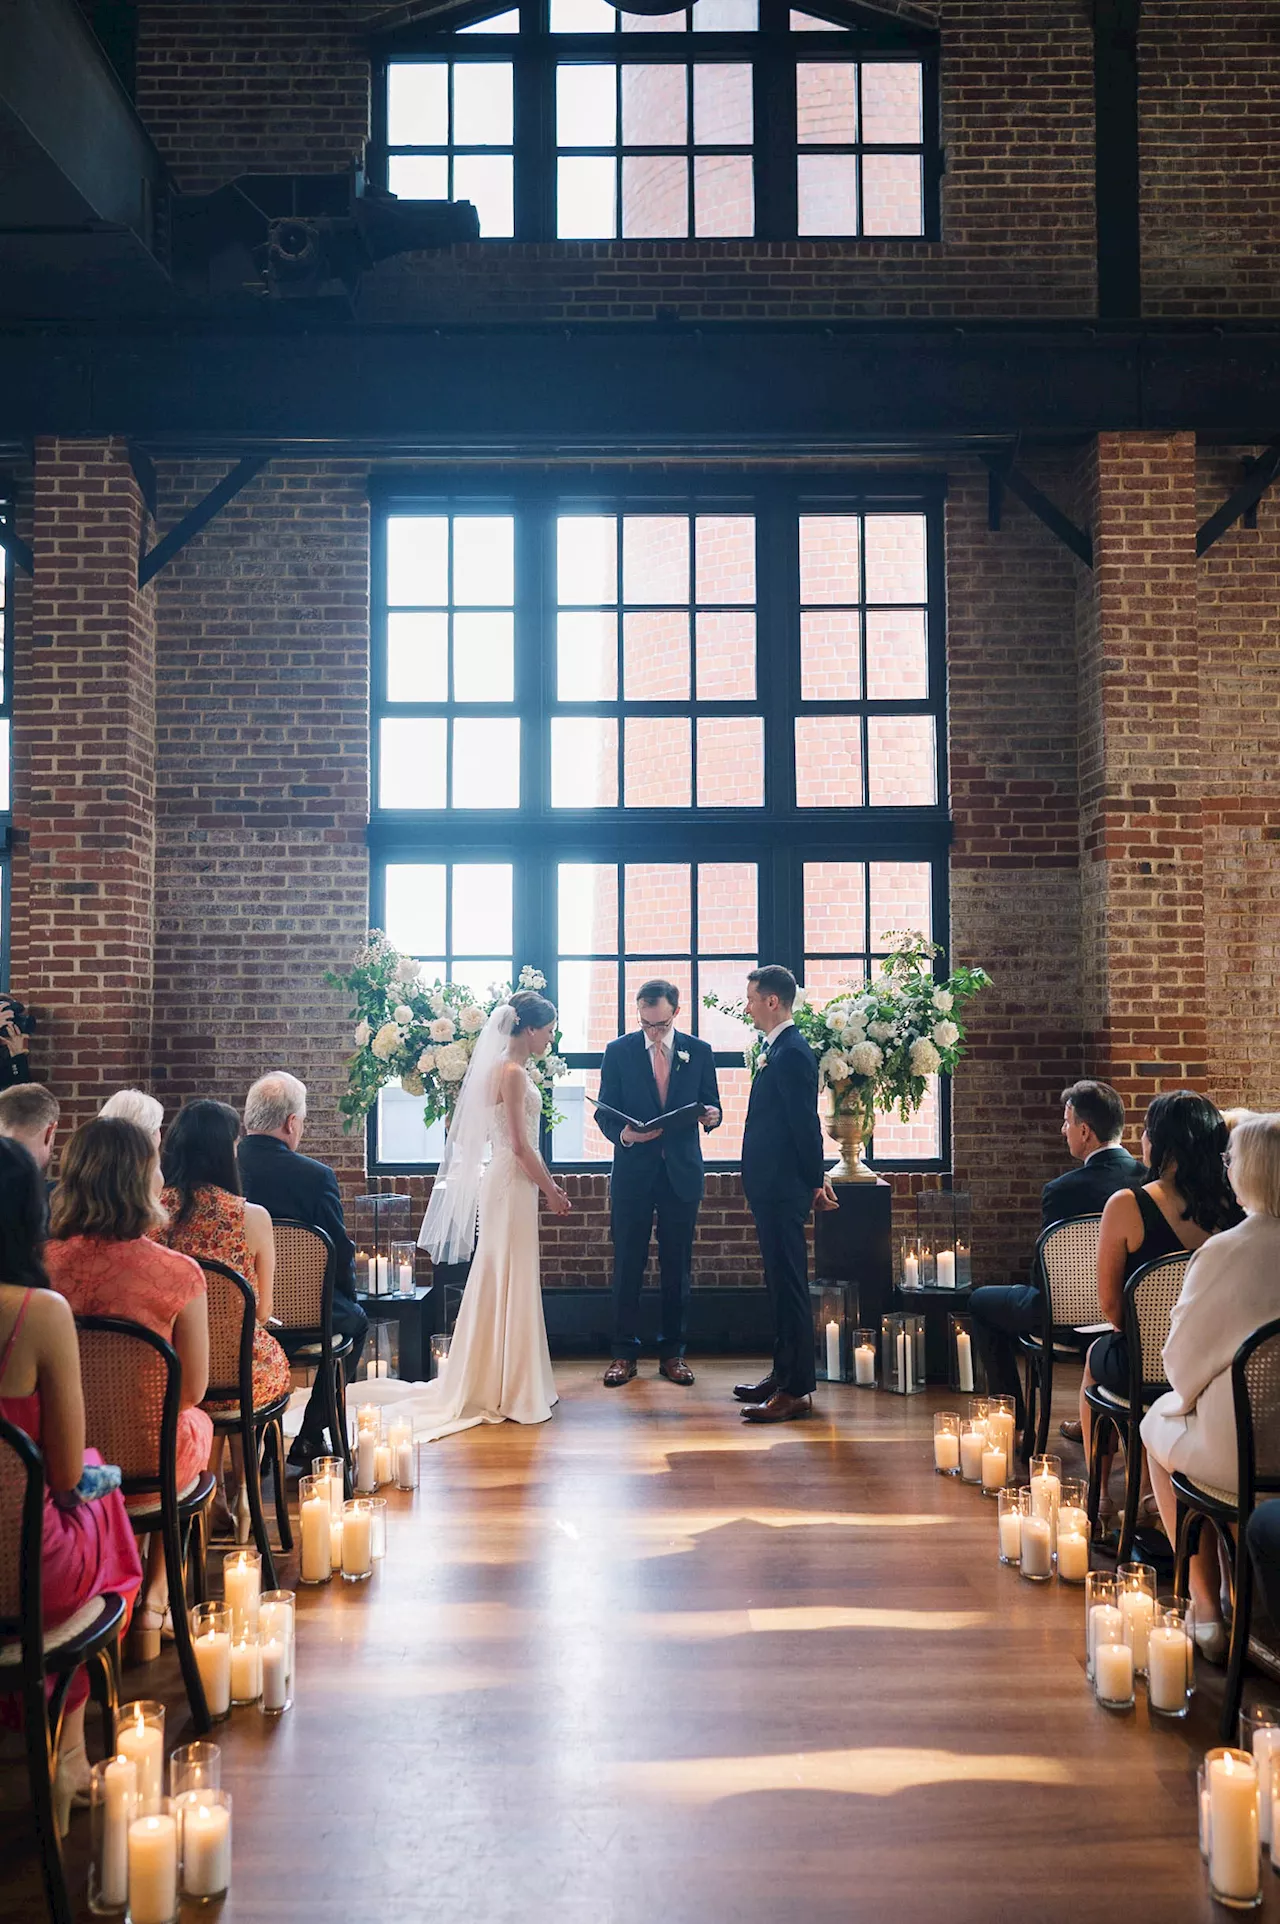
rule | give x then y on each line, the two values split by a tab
782	1159
627	1083
1084	1191
301	1190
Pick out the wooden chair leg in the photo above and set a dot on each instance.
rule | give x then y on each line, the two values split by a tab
1242	1610
1101	1424
1044	1368
200	1719
103	1688
336	1393
1133	1460
253	1486
40	1775
275	1435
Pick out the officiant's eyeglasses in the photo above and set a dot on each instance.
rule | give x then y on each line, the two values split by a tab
663	1022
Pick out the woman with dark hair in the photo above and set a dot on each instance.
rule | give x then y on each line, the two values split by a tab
209	1217
1186	1200
88	1547
101	1258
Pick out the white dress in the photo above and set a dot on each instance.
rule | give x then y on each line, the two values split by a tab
499	1366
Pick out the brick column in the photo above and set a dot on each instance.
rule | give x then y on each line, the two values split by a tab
1141	816
86	730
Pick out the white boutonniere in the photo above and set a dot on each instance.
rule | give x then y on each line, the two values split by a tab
682	1055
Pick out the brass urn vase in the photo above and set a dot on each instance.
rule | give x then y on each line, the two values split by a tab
849	1125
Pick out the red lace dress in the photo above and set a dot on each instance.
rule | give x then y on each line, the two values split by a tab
215	1228
149	1285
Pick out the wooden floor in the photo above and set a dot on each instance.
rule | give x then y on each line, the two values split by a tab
646	1662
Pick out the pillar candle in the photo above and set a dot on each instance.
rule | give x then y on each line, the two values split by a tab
335	1542
1167	1668
120	1786
946	1271
144	1744
379	1275
1073	1556
1000	1428
1266	1744
404	1464
994	1465
357	1543
277	1620
213	1661
946	1450
242	1586
153	1870
1010	1536
246	1670
1233	1827
206	1849
366	1462
406	1279
1036	1554
1073	1521
315	1539
1106	1625
864	1364
1204	1822
964	1359
1113	1671
382	1464
397	1433
275	1673
1137	1609
1045	1491
833	1352
911	1272
972	1445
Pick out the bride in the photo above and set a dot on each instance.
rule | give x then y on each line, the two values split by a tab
499	1366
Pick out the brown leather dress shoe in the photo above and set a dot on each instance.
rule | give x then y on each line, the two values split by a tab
620	1371
1074	1432
756	1392
780	1408
676	1370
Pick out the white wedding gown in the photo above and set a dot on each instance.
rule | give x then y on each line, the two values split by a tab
499	1367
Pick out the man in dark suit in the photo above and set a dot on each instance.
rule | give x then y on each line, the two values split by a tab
656	1172
295	1187
1092	1124
784	1177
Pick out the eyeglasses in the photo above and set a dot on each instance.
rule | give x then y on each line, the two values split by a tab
1226	1160
657	1028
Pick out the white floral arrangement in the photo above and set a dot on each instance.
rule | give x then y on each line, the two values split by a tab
422	1034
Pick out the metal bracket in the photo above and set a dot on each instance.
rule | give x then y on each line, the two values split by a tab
191	524
144	474
1003	474
1259	474
13	544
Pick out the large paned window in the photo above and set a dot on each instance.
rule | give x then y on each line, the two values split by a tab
624	731
567	120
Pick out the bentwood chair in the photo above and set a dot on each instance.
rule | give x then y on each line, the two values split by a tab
302	1303
132	1396
233	1320
1149	1298
31	1652
1065	1271
1255	1386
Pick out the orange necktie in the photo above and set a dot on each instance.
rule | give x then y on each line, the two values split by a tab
661	1071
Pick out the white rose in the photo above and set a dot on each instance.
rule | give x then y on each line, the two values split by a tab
441	1030
451	1062
834	1066
802	999
924	1058
942	1001
837	1018
851	1035
436	1004
472	1020
407	970
945	1034
402	1014
865	1059
532	978
880	1031
535	1072
362	1034
412	1084
555	1067
386	1042
426	1062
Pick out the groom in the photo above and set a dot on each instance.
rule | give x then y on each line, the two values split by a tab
784	1178
655	1172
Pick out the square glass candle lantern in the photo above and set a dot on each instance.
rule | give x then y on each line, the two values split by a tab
834	1307
964	1364
902	1353
944	1224
915	1262
381	1357
376	1222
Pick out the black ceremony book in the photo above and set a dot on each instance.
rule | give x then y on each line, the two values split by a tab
670	1118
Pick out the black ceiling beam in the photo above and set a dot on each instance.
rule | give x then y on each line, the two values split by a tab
1002	470
144	473
1262	473
1116	178
150	564
14	545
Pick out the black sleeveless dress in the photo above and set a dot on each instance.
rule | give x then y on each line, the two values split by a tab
1109	1356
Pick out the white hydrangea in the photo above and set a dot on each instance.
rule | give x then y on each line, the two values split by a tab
386	1042
532	978
865	1059
362	1034
436	1003
471	1020
853	1034
880	1031
402	1014
426	1062
946	1034
442	1029
834	1066
407	970
942	1001
451	1062
412	1084
924	1058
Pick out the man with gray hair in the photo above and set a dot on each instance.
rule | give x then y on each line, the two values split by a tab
293	1186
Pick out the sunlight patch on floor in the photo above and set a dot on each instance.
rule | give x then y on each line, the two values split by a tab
706	1626
881	1772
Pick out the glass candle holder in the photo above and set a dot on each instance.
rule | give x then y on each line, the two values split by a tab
1113	1675
368	1444
211	1640
902	1354
832	1308
864	1359
140	1735
357	1540
404	1259
113	1805
404	1463
153	1868
1002	1423
369	1417
961	1356
1186	1609
1136	1583
330	1469
378	1511
944	1220
1202	1808
946	1443
913	1261
1231	1778
204	1827
1167	1665
1260	1736
1071	1533
277	1623
246	1667
1046	1488
1102	1620
439	1353
195	1767
1009	1523
242	1588
275	1669
313	1525
973	1443
1073	1505
1035	1561
995	1466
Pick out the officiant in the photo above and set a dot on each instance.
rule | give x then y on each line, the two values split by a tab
657	1173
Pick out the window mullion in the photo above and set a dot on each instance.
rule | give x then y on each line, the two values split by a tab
774	94
534	141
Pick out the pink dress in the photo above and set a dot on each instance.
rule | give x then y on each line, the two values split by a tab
89	1548
147	1284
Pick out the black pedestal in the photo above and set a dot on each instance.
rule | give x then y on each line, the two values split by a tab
852	1245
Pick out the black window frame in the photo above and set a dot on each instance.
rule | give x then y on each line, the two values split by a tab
6	720
858	34
778	836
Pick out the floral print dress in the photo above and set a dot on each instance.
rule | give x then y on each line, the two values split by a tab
215	1229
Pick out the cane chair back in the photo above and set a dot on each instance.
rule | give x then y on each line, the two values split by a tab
233	1310
303	1259
1256	1383
1067	1259
1150	1295
21	1522
132	1388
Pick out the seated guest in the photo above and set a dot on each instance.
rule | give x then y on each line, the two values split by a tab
1092	1124
208	1216
1187	1200
88	1547
134	1105
29	1114
1232	1288
290	1185
101	1258
15	1062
